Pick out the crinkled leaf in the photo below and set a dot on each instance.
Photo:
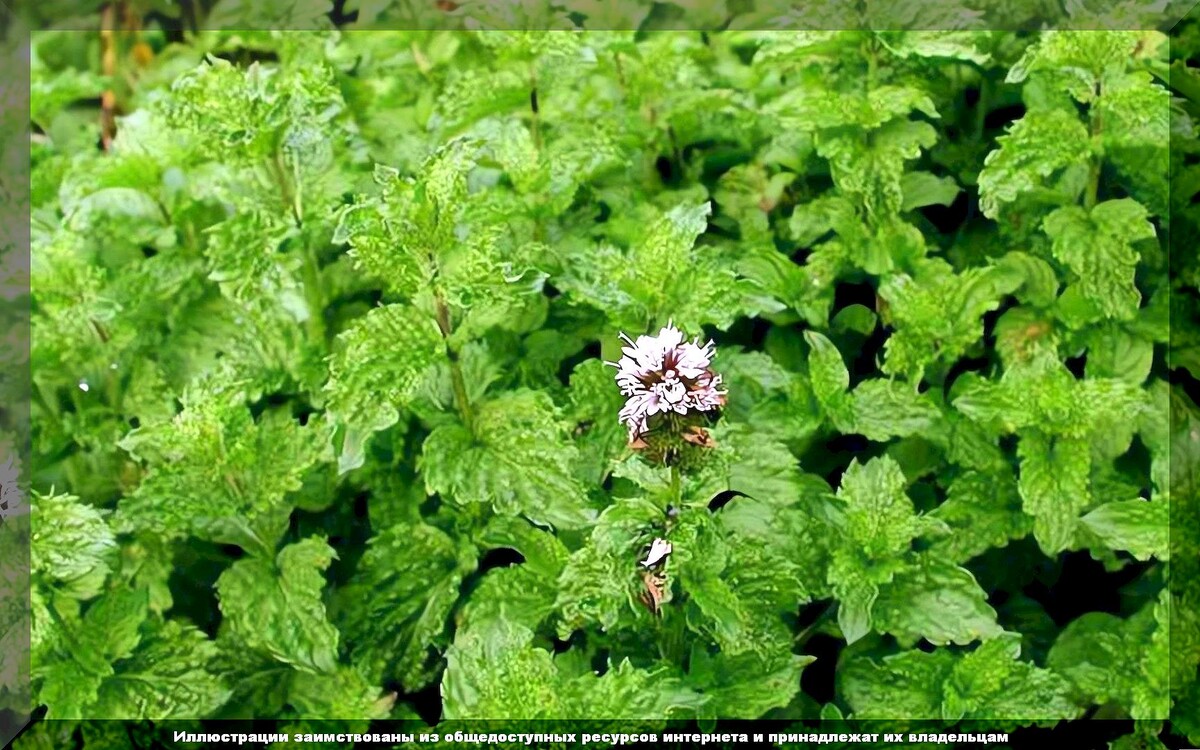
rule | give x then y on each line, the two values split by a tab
517	460
938	602
1098	248
395	608
1054	487
1136	526
275	607
380	360
1034	152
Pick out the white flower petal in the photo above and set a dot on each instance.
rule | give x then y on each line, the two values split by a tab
658	550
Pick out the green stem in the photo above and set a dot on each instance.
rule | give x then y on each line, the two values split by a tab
803	636
297	194
39	398
676	486
871	54
457	382
1093	186
981	106
539	232
1096	127
313	294
534	107
290	196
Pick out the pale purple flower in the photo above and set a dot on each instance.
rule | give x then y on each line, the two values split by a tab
664	373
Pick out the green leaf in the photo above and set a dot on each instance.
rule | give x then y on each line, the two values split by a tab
516	593
247	260
1042	394
907	685
343	694
1142	738
626	692
991	684
275	606
68	690
746	462
745	687
856	600
379	363
1136	526
926	189
600	582
1075	59
1054	487
951	45
110	628
885	409
770	397
595	403
829	377
1098	248
875	526
1116	353
72	548
1032	156
544	553
1090	652
937	313
740	592
982	511
395	608
879	517
1040	287
497	671
518	460
1093	653
1136	114
214	462
170	676
869	167
665	275
1166	661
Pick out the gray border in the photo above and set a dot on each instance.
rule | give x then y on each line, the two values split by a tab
15	27
629	15
15	300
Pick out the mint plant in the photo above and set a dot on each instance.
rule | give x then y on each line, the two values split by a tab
629	377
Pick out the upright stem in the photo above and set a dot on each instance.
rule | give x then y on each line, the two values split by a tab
191	16
108	66
290	195
1093	185
981	106
457	382
871	52
539	231
676	486
534	107
676	154
807	633
288	191
620	70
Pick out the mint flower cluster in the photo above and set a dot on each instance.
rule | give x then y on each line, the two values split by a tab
667	382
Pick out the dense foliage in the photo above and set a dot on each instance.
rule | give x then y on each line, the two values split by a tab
322	426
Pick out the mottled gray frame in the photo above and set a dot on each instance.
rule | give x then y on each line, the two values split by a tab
15	696
17	24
